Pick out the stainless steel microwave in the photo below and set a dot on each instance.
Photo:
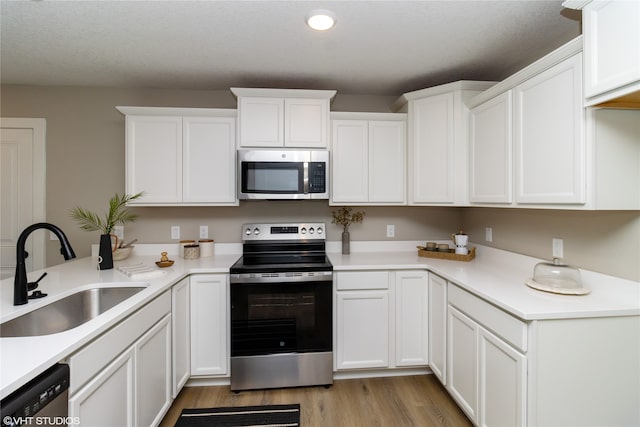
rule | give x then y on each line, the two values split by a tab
283	174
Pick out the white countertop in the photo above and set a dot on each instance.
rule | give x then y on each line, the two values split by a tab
497	276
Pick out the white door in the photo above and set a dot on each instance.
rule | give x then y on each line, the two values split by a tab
462	361
387	161
209	159
432	143
490	158
362	336
412	298
350	159
502	383
209	331
437	323
22	180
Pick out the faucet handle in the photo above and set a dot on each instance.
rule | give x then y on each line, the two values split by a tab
32	285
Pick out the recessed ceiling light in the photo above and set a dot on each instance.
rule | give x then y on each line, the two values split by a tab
321	19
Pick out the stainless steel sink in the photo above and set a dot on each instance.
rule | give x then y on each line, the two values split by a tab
68	312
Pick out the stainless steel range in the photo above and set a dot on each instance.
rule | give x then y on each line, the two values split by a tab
281	308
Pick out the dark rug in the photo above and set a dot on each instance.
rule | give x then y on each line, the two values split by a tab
242	416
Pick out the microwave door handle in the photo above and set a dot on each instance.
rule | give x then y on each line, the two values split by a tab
305	180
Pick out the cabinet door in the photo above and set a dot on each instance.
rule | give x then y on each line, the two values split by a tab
108	400
432	149
437	322
387	162
261	121
411	315
462	361
209	324
549	141
611	46
490	151
350	159
306	122
181	342
153	374
209	155
154	158
362	329
502	383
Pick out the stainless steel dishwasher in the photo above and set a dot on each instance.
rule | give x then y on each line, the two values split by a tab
43	401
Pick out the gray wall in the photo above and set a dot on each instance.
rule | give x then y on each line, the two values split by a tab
85	167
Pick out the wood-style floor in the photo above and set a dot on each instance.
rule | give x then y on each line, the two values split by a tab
392	401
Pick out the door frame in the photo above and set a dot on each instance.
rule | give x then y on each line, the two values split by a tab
38	126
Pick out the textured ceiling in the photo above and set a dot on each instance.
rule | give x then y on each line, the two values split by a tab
376	47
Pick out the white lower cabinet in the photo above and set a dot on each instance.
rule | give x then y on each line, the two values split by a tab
502	382
411	315
380	319
437	331
361	320
209	325
486	375
463	362
181	343
153	374
123	377
115	385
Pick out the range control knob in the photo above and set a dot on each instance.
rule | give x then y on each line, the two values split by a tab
303	230
247	231
311	230
256	231
319	230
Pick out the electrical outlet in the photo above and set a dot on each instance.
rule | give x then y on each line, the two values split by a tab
175	232
391	230
488	234
118	230
557	248
204	231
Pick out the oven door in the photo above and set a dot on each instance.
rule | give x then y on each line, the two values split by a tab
281	317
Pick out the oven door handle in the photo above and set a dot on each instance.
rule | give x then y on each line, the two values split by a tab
266	278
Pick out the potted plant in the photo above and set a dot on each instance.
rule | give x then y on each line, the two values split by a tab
345	218
117	215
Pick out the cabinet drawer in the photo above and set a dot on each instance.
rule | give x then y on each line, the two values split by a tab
499	322
88	361
356	280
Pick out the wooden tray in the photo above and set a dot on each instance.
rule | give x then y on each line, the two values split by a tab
447	255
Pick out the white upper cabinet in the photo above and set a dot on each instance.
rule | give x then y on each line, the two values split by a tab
283	117
368	159
611	31
490	151
565	156
180	156
261	122
549	140
154	158
438	142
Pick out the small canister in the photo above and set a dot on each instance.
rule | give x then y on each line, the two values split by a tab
184	243
206	247
192	251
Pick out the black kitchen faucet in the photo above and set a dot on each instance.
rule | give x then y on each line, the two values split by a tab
20	284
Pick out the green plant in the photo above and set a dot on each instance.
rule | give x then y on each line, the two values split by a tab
345	218
118	215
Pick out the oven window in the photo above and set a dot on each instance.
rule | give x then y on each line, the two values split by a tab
280	318
272	177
